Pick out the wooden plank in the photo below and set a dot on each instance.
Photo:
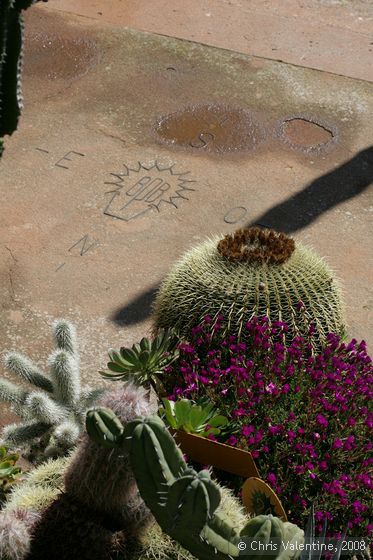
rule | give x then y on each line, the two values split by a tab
215	454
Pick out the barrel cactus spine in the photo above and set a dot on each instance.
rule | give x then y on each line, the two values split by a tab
251	272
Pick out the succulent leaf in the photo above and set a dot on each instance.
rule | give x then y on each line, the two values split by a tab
192	418
144	360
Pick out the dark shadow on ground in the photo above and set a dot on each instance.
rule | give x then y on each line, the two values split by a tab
137	310
337	186
297	212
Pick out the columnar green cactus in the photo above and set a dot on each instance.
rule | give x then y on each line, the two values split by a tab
11	53
252	272
183	501
104	427
45	483
54	412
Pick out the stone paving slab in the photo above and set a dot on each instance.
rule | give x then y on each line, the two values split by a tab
331	35
133	147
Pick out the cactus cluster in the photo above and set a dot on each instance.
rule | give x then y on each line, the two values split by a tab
253	272
53	410
39	487
100	514
100	511
25	504
42	486
183	501
11	53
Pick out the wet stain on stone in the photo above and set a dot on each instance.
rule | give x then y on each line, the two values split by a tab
306	134
54	56
212	128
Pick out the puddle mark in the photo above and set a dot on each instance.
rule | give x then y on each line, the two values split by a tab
307	134
213	128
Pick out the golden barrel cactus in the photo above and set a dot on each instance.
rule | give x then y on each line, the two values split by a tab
251	272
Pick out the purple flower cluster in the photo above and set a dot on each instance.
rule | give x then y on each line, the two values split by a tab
304	417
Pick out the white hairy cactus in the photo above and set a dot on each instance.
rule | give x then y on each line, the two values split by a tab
53	411
15	534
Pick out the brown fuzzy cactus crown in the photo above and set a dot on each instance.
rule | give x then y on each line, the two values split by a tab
257	245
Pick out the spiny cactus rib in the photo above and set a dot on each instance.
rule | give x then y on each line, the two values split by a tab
11	393
104	427
146	433
206	281
65	373
183	501
189	502
54	416
24	433
65	336
261	525
44	408
24	367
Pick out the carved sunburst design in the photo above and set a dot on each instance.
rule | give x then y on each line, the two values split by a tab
146	188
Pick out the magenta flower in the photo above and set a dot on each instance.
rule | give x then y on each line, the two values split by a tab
305	418
247	430
271	477
337	444
322	421
270	388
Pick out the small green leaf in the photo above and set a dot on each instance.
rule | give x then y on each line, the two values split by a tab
145	344
144	357
197	417
214	431
182	411
136	348
218	421
113	376
187	427
116	367
13	457
129	355
169	412
114	356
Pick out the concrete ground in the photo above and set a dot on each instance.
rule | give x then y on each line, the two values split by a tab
238	111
